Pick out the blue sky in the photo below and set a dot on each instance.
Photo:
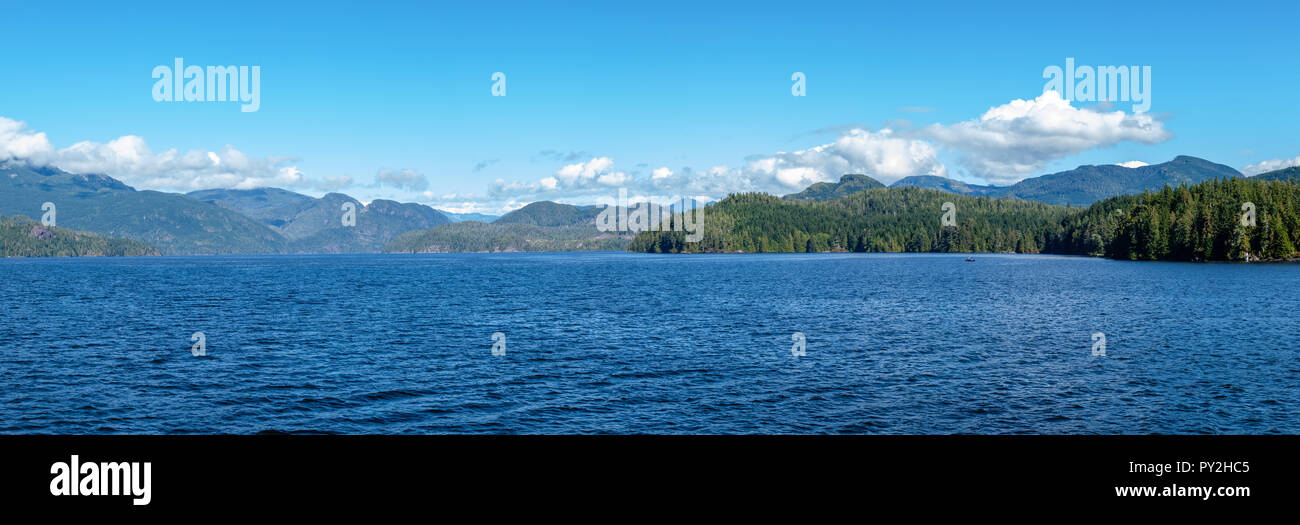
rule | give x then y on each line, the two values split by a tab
393	100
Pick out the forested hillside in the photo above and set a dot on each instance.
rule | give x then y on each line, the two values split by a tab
1201	222
547	213
1291	174
1198	222
472	236
877	220
23	237
825	191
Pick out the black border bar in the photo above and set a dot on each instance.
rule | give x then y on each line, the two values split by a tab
321	474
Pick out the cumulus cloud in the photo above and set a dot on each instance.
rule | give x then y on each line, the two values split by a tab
596	175
17	142
130	159
583	174
882	155
1012	141
1266	166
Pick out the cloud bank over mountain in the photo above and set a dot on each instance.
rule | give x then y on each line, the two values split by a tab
129	158
1270	165
1006	144
1013	141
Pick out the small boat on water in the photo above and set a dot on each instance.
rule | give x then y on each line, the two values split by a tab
970	259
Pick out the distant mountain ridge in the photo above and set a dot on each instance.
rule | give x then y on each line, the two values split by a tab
315	225
462	217
1081	186
935	182
824	191
473	236
209	222
539	226
1291	174
547	213
1085	185
172	222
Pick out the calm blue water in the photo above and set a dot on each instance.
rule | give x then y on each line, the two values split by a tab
635	343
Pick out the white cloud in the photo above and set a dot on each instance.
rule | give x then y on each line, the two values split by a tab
661	173
613	179
882	155
1133	164
17	142
1013	141
592	176
1269	165
130	159
473	203
583	173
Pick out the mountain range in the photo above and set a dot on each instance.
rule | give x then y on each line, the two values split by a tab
461	217
547	213
209	222
539	226
172	222
1081	186
315	225
1291	174
276	221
